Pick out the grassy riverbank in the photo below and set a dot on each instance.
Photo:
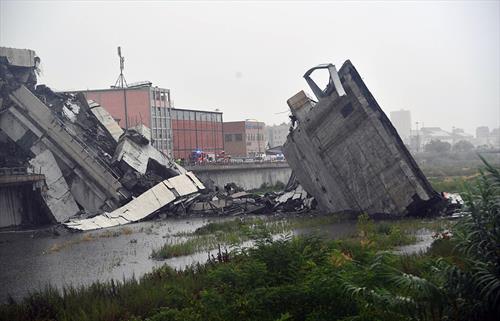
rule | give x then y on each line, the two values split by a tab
271	281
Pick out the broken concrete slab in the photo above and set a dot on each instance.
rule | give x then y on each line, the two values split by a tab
57	197
346	153
106	120
141	134
18	57
300	105
41	118
176	189
138	157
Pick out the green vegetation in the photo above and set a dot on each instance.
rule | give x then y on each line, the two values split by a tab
311	279
228	233
456	184
266	188
235	232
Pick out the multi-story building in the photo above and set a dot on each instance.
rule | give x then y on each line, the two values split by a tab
276	134
401	120
196	130
495	137
482	136
146	105
487	138
244	138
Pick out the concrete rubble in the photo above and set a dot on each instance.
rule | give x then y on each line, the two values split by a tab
346	153
234	201
168	192
96	174
92	168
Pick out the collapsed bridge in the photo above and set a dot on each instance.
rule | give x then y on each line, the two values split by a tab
86	172
90	166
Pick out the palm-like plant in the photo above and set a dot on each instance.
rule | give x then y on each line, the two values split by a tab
478	238
466	288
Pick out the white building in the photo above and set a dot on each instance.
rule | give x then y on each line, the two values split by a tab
276	134
401	120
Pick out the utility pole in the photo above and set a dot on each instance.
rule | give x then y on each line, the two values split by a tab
122	83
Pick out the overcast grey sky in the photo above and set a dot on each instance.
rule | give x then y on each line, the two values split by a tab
441	60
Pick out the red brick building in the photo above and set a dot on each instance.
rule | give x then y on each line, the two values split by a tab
244	138
196	130
145	104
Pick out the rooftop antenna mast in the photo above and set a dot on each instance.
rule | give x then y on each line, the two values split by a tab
122	83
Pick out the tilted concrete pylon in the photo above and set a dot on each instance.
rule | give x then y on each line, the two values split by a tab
345	152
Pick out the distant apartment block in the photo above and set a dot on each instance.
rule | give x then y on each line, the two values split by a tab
276	134
146	105
401	120
244	138
482	136
485	137
196	130
495	137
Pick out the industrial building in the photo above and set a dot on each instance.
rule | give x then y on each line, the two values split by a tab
244	138
146	104
196	130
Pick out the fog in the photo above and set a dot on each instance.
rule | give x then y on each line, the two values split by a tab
439	60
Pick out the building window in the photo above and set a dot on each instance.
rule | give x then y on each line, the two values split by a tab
228	137
238	137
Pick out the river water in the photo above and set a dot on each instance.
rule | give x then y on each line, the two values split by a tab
31	260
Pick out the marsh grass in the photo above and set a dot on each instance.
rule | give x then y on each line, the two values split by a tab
227	233
452	184
382	234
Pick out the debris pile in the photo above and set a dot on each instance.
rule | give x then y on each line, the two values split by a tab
227	203
346	153
234	201
91	166
294	199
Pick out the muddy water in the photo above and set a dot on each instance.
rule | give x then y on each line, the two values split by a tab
28	261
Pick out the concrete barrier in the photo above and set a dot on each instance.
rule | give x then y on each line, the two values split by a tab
247	175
